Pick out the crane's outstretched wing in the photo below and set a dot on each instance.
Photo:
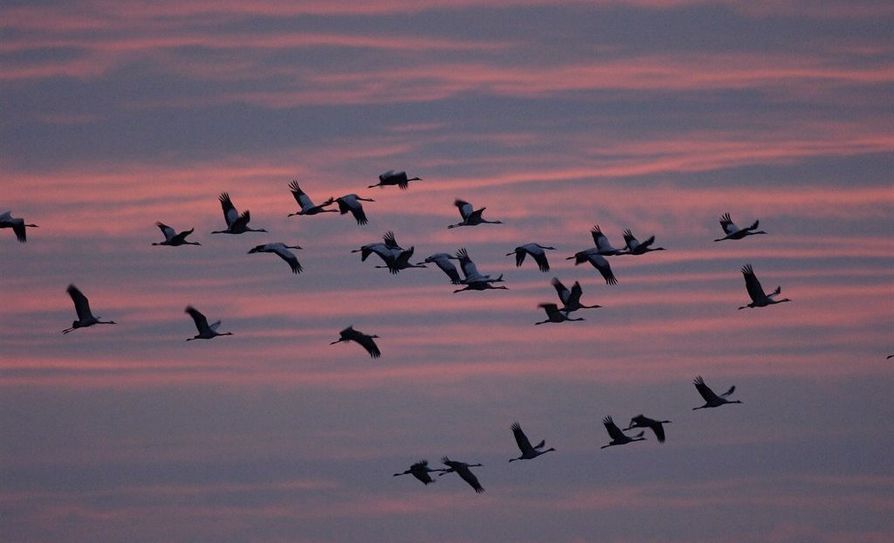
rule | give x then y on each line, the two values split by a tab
289	257
465	208
601	263
726	222
521	439
561	290
541	260
704	390
229	210
82	306
167	231
390	240
198	318
752	285
613	431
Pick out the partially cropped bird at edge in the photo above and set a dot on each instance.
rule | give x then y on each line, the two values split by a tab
17	224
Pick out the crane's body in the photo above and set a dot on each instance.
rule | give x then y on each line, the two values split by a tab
82	308
462	469
732	231
636	247
420	471
711	399
306	204
756	292
172	238
618	437
386	249
554	314
528	451
473	279
364	340
537	252
236	223
470	216
395	262
391	178
642	421
603	246
570	298
206	331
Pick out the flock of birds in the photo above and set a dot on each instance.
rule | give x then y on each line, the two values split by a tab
467	277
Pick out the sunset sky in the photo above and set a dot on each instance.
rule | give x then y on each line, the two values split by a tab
653	115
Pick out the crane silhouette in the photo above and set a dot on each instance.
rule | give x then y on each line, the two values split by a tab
172	238
17	224
597	261
474	280
635	247
307	205
420	471
392	177
618	437
711	399
282	250
470	217
570	298
351	203
756	291
385	249
603	246
528	452
734	232
553	314
642	421
536	251
365	340
462	469
82	308
400	261
236	223
206	331
442	260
